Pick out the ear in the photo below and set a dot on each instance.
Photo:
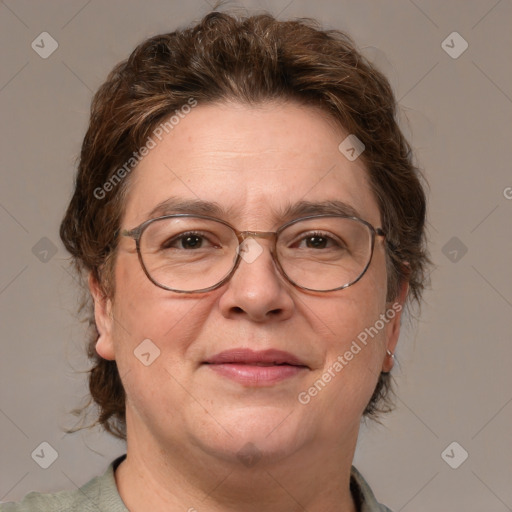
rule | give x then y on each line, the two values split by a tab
394	312
104	320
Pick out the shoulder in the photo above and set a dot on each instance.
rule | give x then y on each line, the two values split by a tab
36	501
100	493
363	494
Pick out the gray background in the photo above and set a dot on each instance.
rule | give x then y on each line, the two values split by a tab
454	376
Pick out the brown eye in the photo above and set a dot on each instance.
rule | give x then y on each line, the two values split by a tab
316	242
319	240
189	240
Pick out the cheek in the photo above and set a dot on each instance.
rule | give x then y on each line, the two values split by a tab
354	351
153	334
342	389
357	336
376	275
359	307
144	311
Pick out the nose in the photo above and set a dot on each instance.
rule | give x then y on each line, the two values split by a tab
257	290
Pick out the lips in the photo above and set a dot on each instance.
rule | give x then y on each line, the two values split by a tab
261	368
260	358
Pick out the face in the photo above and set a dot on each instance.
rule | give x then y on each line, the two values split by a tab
252	162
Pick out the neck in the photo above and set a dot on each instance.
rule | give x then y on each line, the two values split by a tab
315	478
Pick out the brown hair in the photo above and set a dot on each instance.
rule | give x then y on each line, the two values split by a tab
252	59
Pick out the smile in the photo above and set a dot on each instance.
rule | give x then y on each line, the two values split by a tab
252	368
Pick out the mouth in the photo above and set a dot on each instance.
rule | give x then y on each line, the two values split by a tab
256	368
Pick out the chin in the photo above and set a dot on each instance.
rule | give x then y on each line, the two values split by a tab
263	435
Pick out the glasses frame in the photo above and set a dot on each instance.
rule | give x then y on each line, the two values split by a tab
136	234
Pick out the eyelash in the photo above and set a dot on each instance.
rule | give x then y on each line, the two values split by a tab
319	234
303	237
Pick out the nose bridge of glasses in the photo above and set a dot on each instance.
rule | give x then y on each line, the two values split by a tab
244	235
252	251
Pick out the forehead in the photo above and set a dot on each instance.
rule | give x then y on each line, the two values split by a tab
250	165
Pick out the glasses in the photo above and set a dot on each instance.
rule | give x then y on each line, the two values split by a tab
193	253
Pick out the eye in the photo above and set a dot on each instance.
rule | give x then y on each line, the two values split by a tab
319	240
316	241
189	241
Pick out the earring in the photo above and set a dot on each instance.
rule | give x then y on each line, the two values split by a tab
392	356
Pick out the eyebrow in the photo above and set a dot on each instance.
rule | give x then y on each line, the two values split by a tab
290	211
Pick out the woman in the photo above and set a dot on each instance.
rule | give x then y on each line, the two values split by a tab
251	226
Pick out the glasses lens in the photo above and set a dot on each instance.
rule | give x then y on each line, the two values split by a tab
188	253
325	253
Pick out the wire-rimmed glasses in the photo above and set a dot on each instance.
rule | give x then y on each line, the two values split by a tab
188	253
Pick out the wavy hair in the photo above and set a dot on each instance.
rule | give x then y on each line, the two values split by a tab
250	60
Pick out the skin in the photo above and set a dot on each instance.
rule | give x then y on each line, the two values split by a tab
185	424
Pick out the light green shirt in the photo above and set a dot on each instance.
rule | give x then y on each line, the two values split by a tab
100	495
